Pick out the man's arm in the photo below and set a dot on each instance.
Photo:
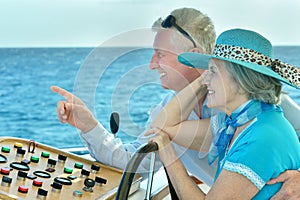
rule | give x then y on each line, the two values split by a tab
107	149
103	146
291	185
111	151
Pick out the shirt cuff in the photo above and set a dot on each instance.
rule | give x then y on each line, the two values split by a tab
98	129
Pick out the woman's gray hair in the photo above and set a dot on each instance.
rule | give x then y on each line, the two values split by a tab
258	86
198	25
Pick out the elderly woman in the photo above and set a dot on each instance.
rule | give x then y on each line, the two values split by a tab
252	140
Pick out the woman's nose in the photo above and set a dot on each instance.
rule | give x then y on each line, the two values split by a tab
206	77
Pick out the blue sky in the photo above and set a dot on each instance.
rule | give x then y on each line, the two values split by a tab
27	23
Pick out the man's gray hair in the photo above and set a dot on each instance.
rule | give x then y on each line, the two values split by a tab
198	25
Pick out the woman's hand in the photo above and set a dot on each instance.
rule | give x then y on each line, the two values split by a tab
165	148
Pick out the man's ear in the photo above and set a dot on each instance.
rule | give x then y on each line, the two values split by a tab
196	50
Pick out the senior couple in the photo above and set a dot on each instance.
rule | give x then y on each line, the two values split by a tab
227	123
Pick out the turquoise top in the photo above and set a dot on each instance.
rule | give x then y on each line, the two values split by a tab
263	150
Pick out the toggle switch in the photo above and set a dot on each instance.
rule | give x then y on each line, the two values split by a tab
45	154
23	189
100	181
68	170
78	165
89	184
51	165
20	152
42	194
18	145
77	193
21	175
37	183
5	170
56	187
95	169
85	173
61	158
34	159
6	181
5	149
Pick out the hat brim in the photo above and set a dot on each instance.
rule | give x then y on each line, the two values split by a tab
197	60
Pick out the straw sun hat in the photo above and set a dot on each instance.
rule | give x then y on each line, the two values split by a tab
248	49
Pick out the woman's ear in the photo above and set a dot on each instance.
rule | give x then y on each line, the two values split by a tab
197	50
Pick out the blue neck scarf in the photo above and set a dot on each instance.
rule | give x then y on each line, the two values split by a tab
239	117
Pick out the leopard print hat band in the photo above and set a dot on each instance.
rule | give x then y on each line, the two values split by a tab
285	70
248	49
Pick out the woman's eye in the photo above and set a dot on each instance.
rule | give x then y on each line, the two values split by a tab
212	69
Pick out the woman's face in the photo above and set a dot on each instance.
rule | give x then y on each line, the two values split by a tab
223	91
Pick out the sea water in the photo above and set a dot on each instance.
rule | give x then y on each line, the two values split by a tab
107	79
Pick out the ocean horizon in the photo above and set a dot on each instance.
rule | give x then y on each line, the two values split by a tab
108	79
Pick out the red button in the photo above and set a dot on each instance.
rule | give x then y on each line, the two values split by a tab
38	183
23	189
5	171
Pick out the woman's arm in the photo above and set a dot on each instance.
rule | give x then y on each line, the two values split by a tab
173	117
190	134
232	185
229	185
180	107
184	186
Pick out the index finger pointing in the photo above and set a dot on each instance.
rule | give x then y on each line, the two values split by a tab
67	95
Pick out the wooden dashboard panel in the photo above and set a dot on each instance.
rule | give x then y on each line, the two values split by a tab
29	152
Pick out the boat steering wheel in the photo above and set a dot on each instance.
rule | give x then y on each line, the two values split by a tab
129	172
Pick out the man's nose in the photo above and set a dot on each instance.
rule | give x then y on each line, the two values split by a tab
154	62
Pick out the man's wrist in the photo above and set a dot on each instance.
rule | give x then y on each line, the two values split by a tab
90	127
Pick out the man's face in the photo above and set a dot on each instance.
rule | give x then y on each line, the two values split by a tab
173	75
